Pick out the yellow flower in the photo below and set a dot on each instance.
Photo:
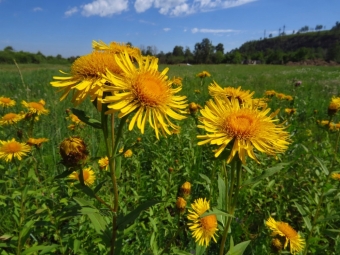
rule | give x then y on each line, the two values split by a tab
203	74
290	111
128	154
280	95
336	100
203	228
333	108
104	163
36	141
88	175
288	98
295	241
115	48
270	93
186	188
193	107
260	103
145	91
37	108
244	126
276	244
73	151
6	102
197	91
11	118
336	176
177	81
12	149
241	95
181	204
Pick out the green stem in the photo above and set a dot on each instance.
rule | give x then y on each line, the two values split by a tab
322	195
236	165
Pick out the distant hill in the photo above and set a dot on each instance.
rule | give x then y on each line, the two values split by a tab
321	45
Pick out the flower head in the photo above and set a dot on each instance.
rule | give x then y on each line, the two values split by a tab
288	98
290	111
37	108
230	92
11	118
186	189
12	149
88	175
177	81
146	92
181	204
336	176
270	93
128	154
73	151
6	102
244	127
333	107
203	74
36	141
203	228
279	228
104	163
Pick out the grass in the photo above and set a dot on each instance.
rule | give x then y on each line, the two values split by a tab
41	214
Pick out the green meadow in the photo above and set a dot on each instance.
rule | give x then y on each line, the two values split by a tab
44	211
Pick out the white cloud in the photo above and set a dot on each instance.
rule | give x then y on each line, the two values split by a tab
147	22
36	9
185	7
166	29
104	7
212	31
71	11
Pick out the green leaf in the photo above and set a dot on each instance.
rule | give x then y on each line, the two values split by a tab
306	219
206	178
221	193
238	249
98	222
41	248
88	191
200	249
25	231
122	222
82	116
118	169
215	211
64	174
323	167
265	174
98	187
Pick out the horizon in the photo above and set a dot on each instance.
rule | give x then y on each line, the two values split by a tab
68	30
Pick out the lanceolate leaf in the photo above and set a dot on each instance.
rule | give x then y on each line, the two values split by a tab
82	116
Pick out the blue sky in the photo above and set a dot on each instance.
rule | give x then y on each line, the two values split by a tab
68	27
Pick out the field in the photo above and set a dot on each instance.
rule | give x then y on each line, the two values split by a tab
134	209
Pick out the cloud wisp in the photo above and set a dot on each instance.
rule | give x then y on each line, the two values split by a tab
212	31
105	8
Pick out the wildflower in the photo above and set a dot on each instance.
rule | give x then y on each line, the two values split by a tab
244	126
186	189
193	107
288	98
115	48
277	244
203	228
336	100
146	92
176	131
295	241
280	96
11	118
6	102
177	81
36	108
139	139
241	95
36	141
290	111
181	204
260	103
332	108
170	169
73	151
297	83
336	176
197	91
12	149
88	175
203	74
270	93
104	163
128	154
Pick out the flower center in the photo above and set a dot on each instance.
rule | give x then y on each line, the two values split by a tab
6	100
86	175
287	230
241	125
12	147
36	106
9	116
151	90
209	223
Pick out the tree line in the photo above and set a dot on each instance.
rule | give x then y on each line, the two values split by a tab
300	46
